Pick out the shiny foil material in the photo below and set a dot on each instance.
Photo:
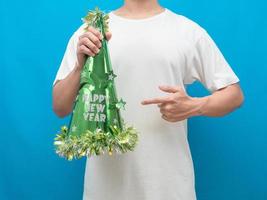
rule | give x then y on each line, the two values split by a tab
96	126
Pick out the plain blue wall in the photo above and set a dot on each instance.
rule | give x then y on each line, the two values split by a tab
229	153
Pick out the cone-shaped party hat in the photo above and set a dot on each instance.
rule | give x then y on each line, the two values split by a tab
96	126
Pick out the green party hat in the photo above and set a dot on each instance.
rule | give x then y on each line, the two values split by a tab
96	126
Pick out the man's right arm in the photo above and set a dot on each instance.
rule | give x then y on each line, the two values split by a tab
65	92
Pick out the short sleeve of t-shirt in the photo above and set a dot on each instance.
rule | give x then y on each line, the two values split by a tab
69	59
208	65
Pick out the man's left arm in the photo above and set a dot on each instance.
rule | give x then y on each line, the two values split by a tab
222	101
178	105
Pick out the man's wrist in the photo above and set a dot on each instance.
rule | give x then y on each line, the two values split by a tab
77	68
200	104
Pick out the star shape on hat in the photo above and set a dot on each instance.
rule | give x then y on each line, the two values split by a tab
120	104
111	76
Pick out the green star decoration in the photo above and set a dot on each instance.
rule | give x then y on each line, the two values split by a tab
91	88
120	104
111	76
74	128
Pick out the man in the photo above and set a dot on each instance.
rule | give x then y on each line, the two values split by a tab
151	46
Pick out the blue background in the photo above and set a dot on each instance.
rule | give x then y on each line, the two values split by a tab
229	153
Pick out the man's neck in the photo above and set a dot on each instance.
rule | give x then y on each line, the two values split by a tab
137	9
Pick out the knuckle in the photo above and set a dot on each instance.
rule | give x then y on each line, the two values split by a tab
88	52
172	98
98	43
168	109
82	48
80	41
94	39
97	33
95	48
167	115
83	41
85	50
79	49
86	42
85	35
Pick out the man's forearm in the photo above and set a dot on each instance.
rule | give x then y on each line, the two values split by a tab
221	102
65	92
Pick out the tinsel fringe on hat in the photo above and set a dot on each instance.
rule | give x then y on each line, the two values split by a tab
95	143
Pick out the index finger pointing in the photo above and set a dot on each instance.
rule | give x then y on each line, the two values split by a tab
156	100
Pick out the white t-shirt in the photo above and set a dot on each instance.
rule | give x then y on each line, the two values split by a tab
167	49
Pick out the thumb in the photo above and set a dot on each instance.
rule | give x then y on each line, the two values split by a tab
108	35
169	89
